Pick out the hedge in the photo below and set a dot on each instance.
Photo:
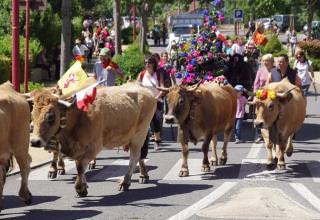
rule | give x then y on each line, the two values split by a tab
126	35
312	47
273	46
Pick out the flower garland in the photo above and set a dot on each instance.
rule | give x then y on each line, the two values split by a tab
198	55
264	94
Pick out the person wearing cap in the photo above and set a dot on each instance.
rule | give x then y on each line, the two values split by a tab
105	68
241	102
79	51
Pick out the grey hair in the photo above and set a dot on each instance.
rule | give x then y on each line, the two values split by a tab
267	56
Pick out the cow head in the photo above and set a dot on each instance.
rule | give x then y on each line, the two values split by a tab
180	100
47	116
268	106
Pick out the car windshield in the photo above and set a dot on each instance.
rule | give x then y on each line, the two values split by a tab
181	30
277	18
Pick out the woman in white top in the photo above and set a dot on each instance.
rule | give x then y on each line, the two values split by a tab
304	69
151	79
238	47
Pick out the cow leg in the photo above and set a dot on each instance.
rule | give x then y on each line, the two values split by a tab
268	145
134	158
214	156
205	149
81	182
280	155
144	177
4	163
289	147
184	168
224	154
92	164
61	166
52	173
24	160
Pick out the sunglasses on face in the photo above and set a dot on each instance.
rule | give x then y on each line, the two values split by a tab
147	62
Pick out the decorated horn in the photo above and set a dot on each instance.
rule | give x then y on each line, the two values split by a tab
65	103
162	89
194	87
284	94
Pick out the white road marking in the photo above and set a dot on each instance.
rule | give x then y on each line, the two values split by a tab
201	204
255	150
115	171
195	172
42	172
314	168
307	194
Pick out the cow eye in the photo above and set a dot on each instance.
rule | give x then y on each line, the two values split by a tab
270	106
50	118
181	101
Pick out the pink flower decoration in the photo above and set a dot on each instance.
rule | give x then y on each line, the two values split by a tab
189	68
220	78
221	18
173	71
188	80
210	55
213	28
189	58
210	78
196	53
200	40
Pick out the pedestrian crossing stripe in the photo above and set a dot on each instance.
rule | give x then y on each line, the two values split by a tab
314	168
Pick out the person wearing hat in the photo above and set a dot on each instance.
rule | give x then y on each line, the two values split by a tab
79	50
241	102
105	68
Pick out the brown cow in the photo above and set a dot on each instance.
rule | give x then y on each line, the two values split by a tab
119	116
202	112
280	117
14	137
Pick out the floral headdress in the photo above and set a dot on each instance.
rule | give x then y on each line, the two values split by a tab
264	94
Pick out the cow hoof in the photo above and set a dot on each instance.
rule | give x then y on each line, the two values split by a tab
82	193
183	173
91	166
213	163
275	160
143	179
269	166
52	174
222	161
124	186
27	199
289	153
281	166
205	168
61	171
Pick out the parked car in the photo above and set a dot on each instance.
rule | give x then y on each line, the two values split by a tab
314	24
267	22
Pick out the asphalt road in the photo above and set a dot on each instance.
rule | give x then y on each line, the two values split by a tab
242	189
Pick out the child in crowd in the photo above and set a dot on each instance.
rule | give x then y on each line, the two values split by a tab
241	102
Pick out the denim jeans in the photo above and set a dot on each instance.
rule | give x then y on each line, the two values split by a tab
238	128
305	89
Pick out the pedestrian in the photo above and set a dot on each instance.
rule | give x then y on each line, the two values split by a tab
251	29
164	32
241	102
251	55
89	42
266	71
42	62
79	51
237	47
156	35
228	47
110	45
303	66
151	79
293	39
106	69
56	60
285	72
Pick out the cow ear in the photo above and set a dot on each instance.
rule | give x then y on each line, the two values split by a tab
285	99
196	95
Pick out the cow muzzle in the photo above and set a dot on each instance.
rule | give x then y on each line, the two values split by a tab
37	142
170	119
258	124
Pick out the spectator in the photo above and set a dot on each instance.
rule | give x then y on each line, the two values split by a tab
293	41
251	29
90	45
251	55
164	32
42	62
228	47
105	69
79	50
56	60
156	35
110	45
304	68
241	102
151	79
238	47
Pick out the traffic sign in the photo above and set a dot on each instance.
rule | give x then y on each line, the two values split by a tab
238	15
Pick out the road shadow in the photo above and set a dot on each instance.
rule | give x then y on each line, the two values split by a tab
11	201
41	214
308	132
159	190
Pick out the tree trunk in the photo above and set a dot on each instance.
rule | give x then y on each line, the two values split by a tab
117	28
144	11
310	17
65	36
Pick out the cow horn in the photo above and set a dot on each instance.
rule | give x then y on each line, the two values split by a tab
284	94
65	103
194	87
162	89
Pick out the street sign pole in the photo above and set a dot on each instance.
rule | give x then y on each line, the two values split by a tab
26	53
15	46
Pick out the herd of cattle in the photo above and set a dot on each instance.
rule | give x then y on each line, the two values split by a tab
120	116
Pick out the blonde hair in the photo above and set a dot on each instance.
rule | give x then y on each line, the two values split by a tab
267	56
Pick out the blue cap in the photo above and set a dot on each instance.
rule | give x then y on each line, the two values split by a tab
239	88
